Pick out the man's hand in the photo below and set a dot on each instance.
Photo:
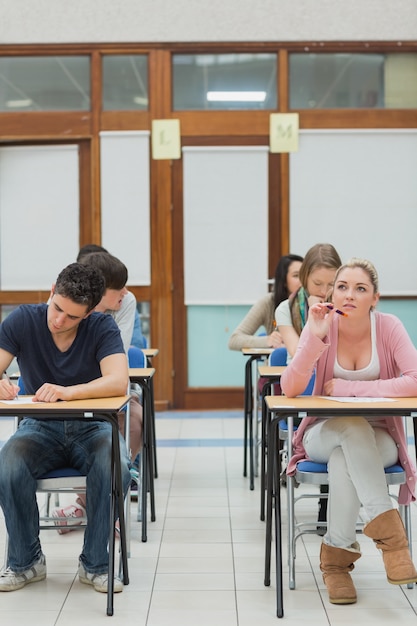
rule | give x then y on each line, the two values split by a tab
51	393
8	390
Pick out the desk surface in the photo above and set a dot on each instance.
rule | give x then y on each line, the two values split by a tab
141	373
267	371
150	352
257	351
99	405
318	405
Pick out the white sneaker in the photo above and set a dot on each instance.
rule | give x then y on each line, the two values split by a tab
11	581
98	581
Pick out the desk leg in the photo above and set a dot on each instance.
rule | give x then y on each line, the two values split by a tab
147	461
415	435
273	494
116	508
247	412
278	521
266	390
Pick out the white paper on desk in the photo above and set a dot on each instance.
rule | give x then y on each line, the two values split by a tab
356	399
19	400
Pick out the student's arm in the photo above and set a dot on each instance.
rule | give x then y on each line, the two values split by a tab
113	382
125	319
8	390
260	315
286	329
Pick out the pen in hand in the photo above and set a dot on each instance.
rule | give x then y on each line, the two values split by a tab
331	308
6	377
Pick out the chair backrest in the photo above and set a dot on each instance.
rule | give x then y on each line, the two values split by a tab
136	357
278	356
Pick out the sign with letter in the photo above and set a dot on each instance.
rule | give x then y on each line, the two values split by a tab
283	132
166	139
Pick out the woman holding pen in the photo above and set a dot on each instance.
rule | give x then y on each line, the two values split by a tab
360	353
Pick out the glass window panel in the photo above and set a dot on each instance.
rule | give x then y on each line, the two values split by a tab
224	81
125	82
353	81
52	83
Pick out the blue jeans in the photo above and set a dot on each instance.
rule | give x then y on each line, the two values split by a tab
39	446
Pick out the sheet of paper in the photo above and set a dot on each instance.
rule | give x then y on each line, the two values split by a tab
354	399
18	400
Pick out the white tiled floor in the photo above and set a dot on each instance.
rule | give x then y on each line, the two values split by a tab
203	562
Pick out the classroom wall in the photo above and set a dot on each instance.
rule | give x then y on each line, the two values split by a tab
60	21
221	367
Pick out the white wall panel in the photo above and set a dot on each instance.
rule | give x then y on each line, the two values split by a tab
39	214
125	201
225	224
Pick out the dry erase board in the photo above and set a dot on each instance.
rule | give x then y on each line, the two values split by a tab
39	214
357	189
225	224
125	201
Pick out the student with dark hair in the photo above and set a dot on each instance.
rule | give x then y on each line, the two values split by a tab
261	315
65	351
136	337
115	278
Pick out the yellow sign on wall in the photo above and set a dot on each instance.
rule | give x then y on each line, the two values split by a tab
166	139
283	132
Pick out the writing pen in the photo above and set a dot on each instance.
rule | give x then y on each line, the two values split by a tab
331	308
6	377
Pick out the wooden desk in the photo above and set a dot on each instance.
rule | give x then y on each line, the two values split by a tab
271	374
103	409
250	408
150	352
143	377
282	407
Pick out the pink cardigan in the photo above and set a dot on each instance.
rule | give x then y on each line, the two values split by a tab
398	378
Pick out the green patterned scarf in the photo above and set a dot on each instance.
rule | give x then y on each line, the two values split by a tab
299	309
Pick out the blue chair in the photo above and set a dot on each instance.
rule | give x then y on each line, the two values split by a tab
136	357
316	474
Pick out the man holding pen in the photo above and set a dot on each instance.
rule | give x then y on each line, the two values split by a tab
65	351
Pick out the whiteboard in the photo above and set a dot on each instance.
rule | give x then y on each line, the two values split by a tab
225	224
357	189
39	214
125	201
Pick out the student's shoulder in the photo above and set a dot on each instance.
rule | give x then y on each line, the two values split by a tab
28	311
99	322
129	301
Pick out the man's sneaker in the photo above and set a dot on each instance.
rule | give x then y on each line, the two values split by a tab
98	581
68	516
11	581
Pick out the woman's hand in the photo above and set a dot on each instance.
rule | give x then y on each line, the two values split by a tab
319	319
329	387
275	340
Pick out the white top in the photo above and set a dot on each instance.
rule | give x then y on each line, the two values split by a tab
125	318
283	318
283	314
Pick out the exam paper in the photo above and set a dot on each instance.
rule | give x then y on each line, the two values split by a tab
19	400
355	399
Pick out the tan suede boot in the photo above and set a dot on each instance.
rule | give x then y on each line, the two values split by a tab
336	563
388	532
